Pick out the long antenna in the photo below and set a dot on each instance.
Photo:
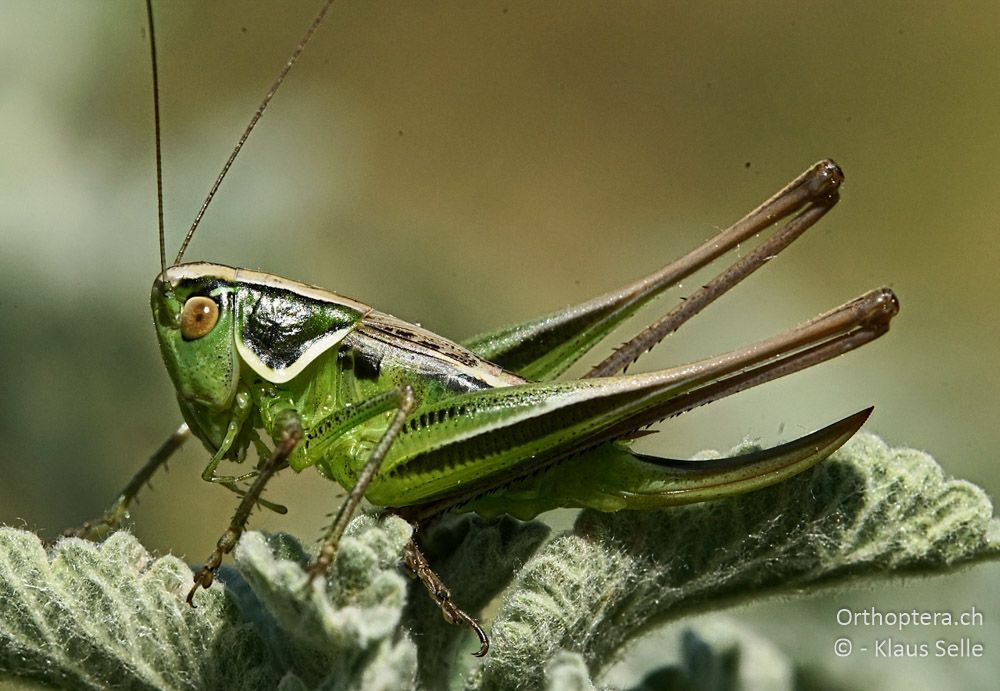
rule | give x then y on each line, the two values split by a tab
156	127
253	123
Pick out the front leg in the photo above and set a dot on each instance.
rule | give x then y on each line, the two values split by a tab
291	433
242	405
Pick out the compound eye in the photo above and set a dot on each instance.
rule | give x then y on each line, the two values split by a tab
198	317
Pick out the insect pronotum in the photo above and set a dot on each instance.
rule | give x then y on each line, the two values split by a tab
422	425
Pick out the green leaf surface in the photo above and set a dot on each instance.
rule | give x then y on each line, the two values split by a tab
95	616
867	511
341	634
111	616
567	671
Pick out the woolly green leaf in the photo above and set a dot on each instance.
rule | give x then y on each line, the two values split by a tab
340	634
105	615
99	616
868	510
567	671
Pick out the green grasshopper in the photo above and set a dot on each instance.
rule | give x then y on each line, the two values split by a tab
422	425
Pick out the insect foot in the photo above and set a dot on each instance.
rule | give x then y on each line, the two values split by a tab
98	529
417	563
206	574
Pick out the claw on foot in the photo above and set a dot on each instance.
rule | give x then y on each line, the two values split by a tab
417	563
206	574
453	615
203	579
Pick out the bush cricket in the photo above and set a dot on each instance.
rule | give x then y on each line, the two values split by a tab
421	425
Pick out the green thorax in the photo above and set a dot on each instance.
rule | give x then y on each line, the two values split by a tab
279	346
267	325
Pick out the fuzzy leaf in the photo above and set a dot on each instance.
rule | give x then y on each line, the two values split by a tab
868	510
567	671
99	616
339	634
363	601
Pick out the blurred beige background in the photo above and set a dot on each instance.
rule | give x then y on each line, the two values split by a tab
469	164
